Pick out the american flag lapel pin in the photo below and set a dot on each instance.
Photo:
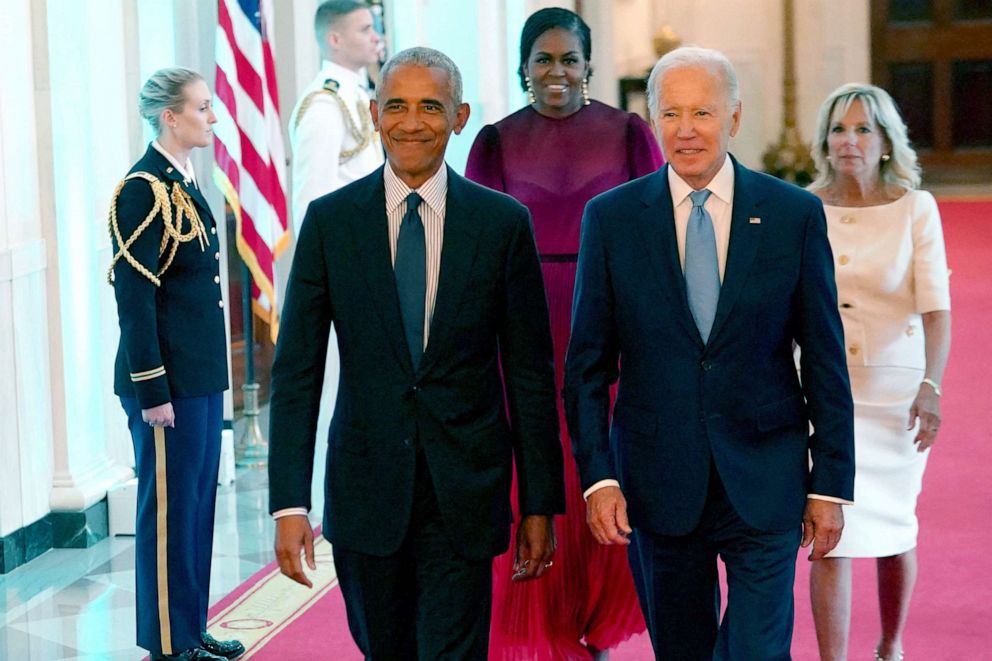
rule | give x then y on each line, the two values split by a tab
754	220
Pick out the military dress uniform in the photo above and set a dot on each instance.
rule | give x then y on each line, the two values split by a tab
333	143
173	348
331	135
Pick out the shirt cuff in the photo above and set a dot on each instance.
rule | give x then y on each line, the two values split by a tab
599	485
289	511
829	499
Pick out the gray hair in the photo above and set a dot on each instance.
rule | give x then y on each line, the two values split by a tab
329	12
423	57
693	56
902	171
165	90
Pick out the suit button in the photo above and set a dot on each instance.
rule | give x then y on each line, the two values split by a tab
217	279
843	259
707	365
220	304
408	442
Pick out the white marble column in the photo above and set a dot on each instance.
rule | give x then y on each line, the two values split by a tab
25	425
84	79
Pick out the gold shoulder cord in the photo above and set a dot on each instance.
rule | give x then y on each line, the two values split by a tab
362	135
164	204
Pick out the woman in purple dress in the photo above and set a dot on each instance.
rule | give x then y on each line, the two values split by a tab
554	156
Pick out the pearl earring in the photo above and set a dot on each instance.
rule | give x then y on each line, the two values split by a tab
531	97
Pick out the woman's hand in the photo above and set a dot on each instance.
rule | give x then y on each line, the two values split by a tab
160	416
926	409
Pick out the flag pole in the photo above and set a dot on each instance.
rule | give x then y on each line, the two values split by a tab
251	449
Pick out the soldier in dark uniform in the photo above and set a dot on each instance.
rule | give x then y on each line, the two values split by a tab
171	367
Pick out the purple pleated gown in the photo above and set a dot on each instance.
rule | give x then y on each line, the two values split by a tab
554	166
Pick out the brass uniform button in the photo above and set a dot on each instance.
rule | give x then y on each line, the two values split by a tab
217	256
217	279
213	230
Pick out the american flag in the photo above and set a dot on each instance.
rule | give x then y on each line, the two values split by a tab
250	159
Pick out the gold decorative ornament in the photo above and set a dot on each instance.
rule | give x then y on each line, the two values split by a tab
172	234
789	158
665	40
362	131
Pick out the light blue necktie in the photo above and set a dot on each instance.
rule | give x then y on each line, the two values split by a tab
410	271
702	272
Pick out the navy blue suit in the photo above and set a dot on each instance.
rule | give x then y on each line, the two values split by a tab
420	459
711	440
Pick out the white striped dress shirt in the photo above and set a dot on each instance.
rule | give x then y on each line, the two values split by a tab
434	192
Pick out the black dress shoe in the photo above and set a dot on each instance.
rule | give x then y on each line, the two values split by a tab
228	649
194	654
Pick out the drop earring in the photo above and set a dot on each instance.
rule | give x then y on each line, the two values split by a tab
585	91
531	97
885	158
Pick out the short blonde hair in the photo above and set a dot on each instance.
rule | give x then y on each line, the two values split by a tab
901	171
164	90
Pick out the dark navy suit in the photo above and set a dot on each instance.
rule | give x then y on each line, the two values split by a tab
172	349
419	462
711	443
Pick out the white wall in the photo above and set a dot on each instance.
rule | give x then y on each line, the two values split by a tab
831	45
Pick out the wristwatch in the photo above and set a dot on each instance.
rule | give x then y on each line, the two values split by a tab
933	384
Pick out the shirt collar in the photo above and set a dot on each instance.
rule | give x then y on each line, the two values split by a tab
185	171
342	74
722	184
433	191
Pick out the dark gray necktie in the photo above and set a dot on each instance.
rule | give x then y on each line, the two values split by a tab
702	271
411	276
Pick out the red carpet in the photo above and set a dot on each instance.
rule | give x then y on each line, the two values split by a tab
954	588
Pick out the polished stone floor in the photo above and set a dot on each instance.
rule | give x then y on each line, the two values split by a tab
78	604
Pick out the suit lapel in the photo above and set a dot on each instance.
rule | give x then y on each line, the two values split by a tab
457	255
657	227
745	237
371	230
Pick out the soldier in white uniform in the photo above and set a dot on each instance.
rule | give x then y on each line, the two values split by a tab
330	131
331	134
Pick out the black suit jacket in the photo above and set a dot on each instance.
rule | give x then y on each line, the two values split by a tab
178	323
736	401
484	393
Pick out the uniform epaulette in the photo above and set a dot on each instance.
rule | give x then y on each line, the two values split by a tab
172	230
362	131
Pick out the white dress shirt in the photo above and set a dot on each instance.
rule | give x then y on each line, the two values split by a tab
185	171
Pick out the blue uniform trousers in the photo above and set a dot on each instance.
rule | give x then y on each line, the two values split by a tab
177	490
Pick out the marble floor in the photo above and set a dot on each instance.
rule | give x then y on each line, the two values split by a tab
78	604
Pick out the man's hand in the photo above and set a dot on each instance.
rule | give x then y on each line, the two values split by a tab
535	546
160	416
823	522
606	514
293	534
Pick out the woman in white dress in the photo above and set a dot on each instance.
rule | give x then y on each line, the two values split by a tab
892	287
